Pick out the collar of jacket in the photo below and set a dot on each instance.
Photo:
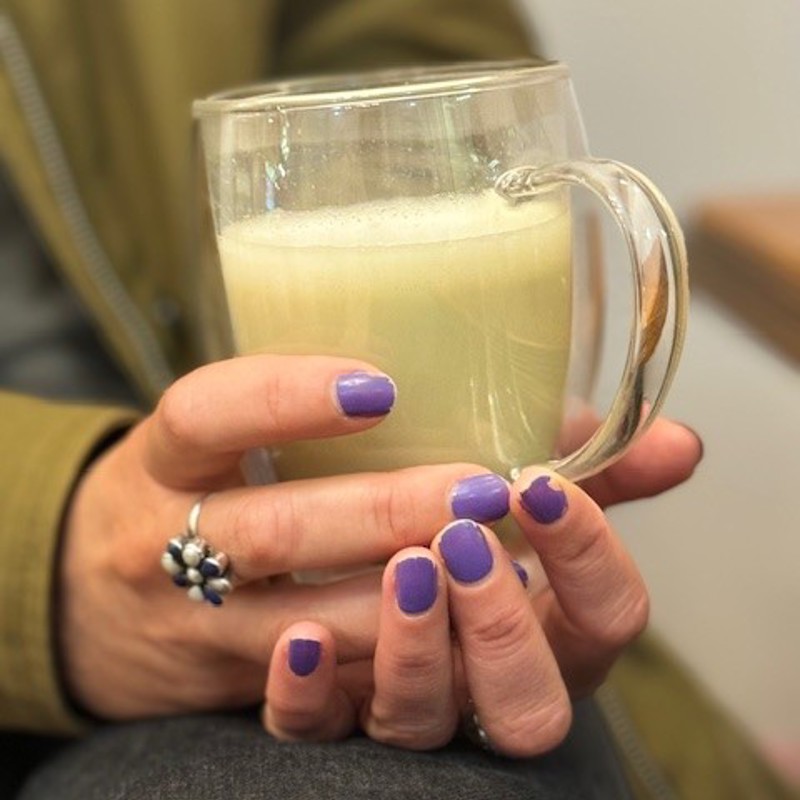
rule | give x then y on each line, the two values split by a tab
95	132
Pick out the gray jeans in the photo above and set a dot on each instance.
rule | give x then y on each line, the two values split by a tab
229	757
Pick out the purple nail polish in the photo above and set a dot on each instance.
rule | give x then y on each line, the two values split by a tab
415	584
543	502
304	655
363	395
465	551
483	498
522	573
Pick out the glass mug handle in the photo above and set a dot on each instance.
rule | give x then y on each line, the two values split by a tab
661	296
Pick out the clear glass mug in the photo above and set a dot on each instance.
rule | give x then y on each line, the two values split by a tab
421	220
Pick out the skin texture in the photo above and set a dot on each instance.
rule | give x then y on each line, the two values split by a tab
133	646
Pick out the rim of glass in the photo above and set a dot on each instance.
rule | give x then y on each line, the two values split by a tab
369	88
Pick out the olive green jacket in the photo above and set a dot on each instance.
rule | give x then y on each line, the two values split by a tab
95	135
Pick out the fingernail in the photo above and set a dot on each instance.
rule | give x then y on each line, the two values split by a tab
483	498
546	503
522	573
415	584
304	655
465	551
363	395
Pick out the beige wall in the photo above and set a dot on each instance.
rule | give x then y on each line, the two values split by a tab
705	98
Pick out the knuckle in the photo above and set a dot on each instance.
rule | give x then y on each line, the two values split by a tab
135	566
499	635
626	622
286	720
413	727
176	411
583	555
552	725
416	737
394	513
276	404
531	732
415	672
261	535
128	555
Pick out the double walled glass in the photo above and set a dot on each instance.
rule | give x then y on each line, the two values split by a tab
421	220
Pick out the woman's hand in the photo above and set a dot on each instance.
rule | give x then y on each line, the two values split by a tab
519	653
132	644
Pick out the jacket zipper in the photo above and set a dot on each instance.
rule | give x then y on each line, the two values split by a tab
63	185
630	743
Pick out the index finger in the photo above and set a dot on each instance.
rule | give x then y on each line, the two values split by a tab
208	418
602	602
511	672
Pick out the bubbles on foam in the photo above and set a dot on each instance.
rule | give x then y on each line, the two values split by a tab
398	222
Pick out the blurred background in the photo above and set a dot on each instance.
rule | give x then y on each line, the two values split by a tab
705	99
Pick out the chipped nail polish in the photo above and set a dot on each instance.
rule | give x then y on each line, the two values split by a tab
544	502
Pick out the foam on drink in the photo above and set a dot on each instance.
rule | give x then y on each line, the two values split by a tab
465	302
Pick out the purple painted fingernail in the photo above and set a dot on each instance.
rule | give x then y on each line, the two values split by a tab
522	573
483	498
304	655
361	394
415	584
465	551
546	503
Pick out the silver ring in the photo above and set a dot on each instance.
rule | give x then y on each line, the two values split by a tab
474	731
194	565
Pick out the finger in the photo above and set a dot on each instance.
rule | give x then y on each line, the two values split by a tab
413	705
602	602
303	701
665	456
351	519
512	675
207	419
252	620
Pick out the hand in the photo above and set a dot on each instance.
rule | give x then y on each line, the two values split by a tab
132	644
520	658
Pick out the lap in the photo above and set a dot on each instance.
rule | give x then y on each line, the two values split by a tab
210	757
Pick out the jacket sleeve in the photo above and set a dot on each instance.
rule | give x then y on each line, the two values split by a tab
676	739
44	448
341	35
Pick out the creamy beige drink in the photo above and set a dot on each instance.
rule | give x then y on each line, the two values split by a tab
464	302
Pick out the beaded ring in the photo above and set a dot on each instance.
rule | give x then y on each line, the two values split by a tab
195	566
